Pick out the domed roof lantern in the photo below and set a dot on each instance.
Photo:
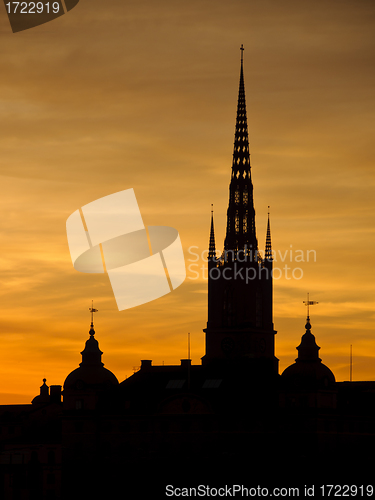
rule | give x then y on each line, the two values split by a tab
308	348
308	368
91	370
43	397
91	354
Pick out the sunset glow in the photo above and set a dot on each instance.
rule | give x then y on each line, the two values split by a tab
137	95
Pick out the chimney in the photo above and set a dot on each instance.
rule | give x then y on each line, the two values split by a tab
146	364
55	393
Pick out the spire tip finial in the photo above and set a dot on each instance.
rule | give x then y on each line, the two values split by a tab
92	311
309	303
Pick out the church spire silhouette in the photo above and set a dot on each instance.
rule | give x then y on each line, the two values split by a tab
239	323
241	233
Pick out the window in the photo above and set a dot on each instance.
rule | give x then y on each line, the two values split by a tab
237	223
244	223
211	383
175	384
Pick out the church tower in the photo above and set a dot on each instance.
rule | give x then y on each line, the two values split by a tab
240	323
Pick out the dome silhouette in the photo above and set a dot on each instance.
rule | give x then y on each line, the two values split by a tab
308	369
91	371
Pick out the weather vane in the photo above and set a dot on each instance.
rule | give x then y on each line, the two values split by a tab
309	303
92	311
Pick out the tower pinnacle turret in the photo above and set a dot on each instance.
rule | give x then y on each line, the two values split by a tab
212	246
268	250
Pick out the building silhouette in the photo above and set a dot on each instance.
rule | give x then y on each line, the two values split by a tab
240	323
232	418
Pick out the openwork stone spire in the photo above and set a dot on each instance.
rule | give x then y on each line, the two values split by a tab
241	214
241	153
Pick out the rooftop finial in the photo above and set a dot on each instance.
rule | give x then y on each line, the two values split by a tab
92	311
309	303
242	49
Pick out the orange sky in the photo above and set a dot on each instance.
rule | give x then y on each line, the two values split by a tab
118	95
